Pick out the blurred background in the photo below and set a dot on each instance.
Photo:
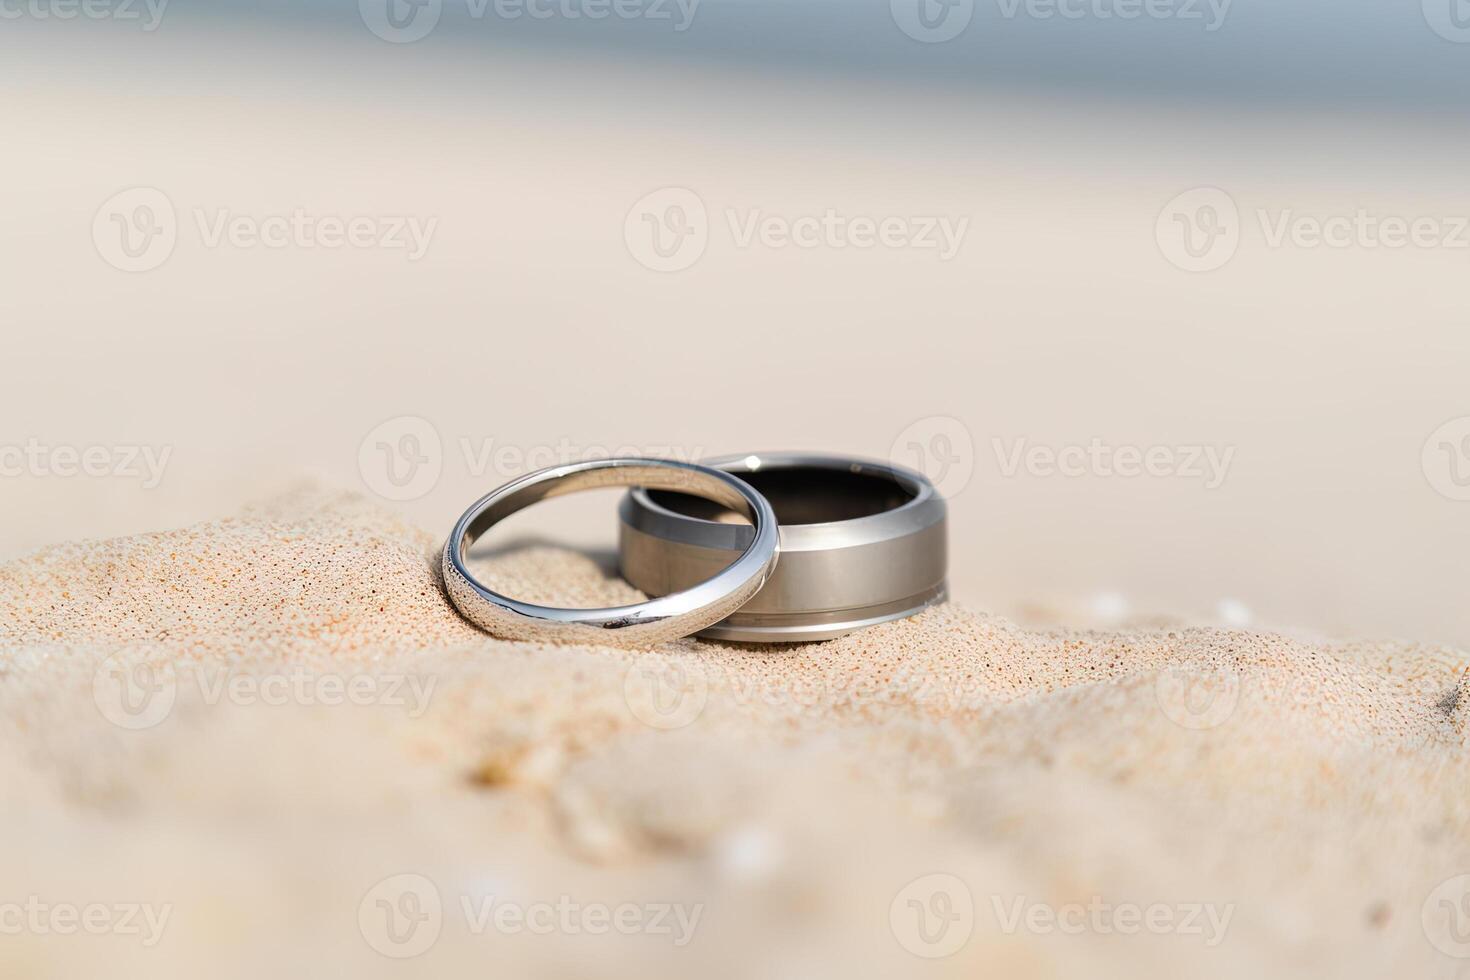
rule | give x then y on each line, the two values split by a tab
1167	295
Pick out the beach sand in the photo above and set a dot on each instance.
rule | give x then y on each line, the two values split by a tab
319	721
271	734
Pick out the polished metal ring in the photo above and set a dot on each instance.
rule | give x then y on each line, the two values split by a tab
685	611
861	543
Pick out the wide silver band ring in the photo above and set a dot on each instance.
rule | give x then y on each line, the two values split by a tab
646	623
862	543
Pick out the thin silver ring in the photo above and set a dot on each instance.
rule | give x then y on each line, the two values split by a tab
646	623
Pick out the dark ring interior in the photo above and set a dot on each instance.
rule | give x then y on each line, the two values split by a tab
730	500
803	495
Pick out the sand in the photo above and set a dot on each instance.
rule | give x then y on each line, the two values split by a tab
1164	799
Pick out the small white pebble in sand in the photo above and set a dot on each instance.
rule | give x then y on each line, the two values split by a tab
1109	606
749	853
1233	612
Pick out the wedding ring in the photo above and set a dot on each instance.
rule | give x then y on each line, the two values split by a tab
678	613
861	543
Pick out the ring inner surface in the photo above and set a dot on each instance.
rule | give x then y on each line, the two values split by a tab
724	498
801	495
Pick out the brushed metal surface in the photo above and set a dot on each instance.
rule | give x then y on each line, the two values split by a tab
883	558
